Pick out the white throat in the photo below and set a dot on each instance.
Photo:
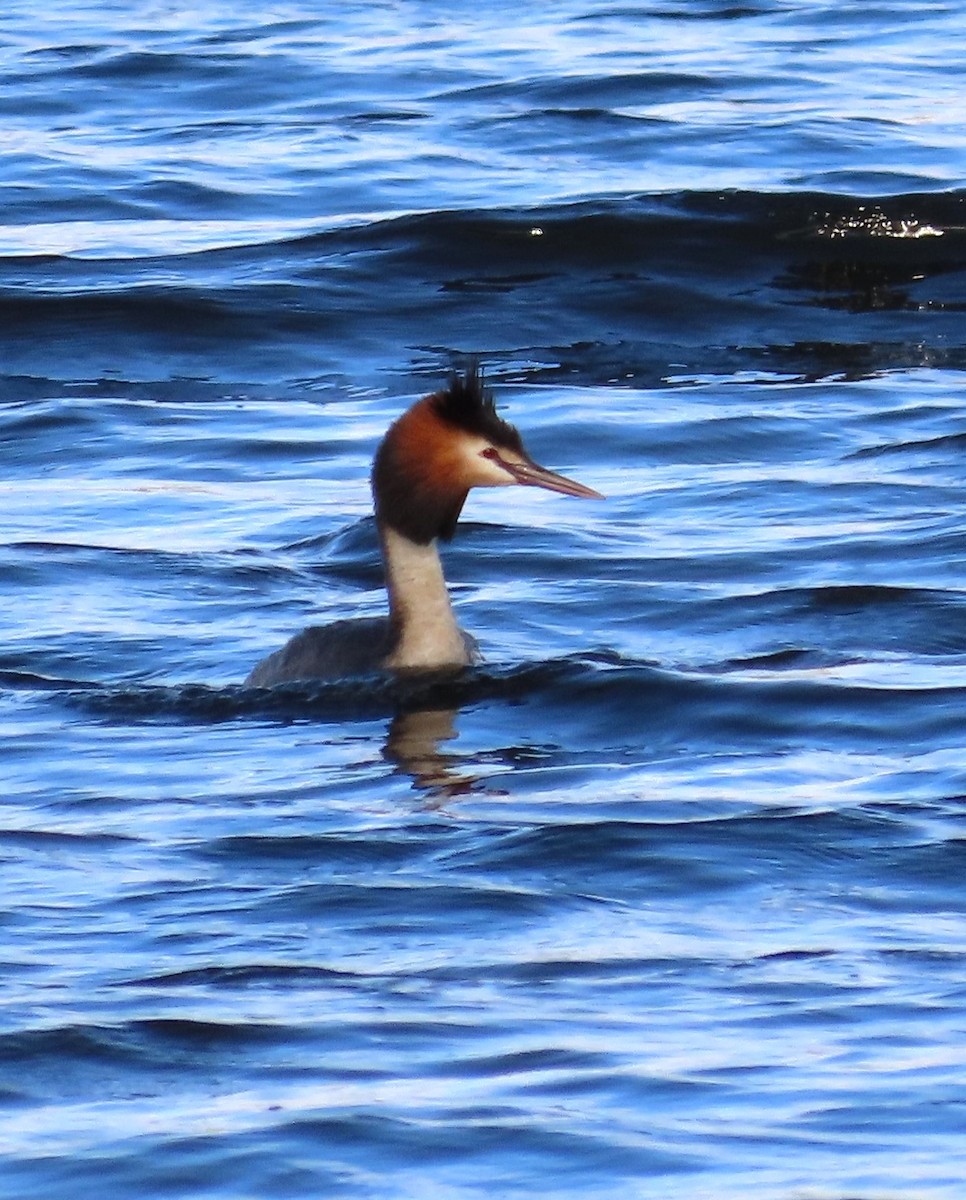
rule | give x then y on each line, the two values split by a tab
419	607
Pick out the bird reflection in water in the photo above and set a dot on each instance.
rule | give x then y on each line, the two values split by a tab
415	743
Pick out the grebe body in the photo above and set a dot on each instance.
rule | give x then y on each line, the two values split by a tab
442	446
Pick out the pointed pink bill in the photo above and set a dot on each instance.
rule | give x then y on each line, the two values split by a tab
531	474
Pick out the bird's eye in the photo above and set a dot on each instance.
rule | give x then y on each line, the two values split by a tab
490	453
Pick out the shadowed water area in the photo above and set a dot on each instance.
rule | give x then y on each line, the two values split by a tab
664	898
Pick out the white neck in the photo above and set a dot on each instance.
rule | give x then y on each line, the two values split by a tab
426	631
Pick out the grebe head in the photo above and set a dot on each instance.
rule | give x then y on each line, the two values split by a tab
441	447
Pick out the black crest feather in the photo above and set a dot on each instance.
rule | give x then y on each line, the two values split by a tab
467	404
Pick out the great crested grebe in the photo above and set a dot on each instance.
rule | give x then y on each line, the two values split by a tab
426	464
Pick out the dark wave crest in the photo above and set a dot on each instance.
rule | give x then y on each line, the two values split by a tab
599	699
643	288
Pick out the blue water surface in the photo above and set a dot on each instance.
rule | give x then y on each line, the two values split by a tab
668	896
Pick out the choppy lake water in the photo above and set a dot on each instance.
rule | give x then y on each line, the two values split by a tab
667	897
